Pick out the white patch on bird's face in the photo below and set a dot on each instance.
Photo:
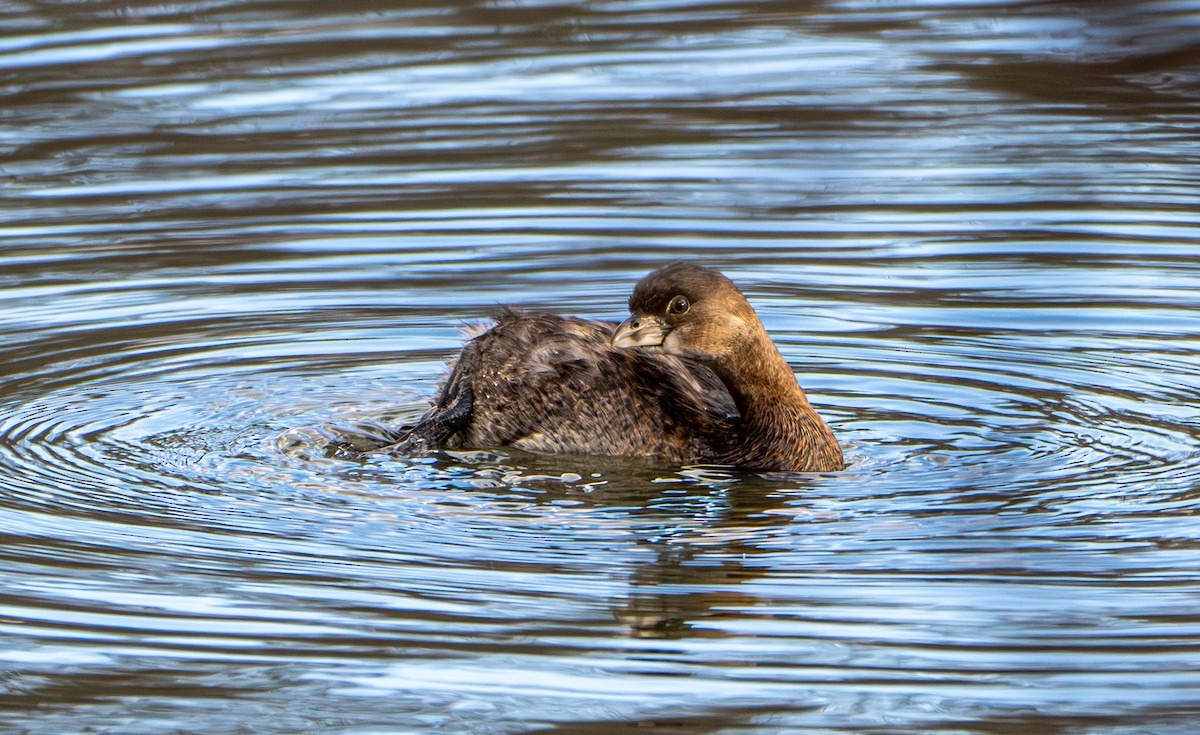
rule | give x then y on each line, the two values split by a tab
707	336
677	344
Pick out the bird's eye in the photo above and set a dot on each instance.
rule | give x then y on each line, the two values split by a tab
678	305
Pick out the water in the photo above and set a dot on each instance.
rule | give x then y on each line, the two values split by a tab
233	230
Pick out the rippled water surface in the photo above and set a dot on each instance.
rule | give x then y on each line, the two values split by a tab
233	231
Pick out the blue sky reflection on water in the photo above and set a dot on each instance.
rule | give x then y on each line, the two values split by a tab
232	231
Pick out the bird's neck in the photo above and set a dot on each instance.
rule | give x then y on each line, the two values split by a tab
776	419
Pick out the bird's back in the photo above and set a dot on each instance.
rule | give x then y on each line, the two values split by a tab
546	383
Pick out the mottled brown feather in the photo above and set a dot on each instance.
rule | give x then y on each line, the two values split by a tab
547	383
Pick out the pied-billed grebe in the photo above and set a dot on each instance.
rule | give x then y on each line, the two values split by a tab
690	377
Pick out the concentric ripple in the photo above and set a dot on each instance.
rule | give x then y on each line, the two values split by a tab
236	233
181	471
176	480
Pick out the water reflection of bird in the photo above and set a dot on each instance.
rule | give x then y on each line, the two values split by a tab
690	377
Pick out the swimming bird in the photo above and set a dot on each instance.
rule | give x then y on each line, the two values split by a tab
691	377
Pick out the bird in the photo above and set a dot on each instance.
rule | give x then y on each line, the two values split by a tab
691	377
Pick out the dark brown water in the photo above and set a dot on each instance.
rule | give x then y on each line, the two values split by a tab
229	230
